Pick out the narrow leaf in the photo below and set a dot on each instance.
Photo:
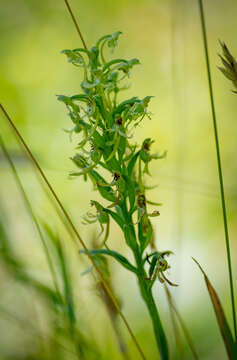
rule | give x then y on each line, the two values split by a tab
120	258
132	163
116	217
230	345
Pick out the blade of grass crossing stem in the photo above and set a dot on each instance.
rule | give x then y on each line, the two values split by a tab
230	345
31	213
115	325
204	35
34	161
104	296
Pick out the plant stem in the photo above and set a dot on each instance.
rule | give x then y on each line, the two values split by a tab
75	23
146	293
156	322
204	35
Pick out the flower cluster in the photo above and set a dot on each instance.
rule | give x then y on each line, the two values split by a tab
105	128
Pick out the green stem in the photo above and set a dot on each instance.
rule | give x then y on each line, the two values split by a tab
218	164
146	293
159	333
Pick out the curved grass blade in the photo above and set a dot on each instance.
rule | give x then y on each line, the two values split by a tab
230	345
182	324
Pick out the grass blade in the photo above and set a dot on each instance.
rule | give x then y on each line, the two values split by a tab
18	270
222	192
182	324
177	336
230	345
64	274
75	23
31	213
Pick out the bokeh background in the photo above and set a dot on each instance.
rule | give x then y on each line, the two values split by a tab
166	37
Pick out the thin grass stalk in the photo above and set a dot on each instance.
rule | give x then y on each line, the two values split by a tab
77	235
112	313
182	324
68	295
174	323
75	23
219	165
31	213
179	118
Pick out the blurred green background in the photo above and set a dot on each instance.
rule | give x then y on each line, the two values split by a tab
166	37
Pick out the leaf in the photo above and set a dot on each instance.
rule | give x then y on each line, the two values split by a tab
230	345
123	105
66	282
89	85
120	258
122	147
116	217
113	39
105	191
60	258
152	266
113	62
80	97
132	163
131	190
98	140
130	237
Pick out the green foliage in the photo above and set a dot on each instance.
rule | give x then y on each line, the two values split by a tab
105	126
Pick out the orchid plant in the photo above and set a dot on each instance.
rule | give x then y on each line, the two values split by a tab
116	166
